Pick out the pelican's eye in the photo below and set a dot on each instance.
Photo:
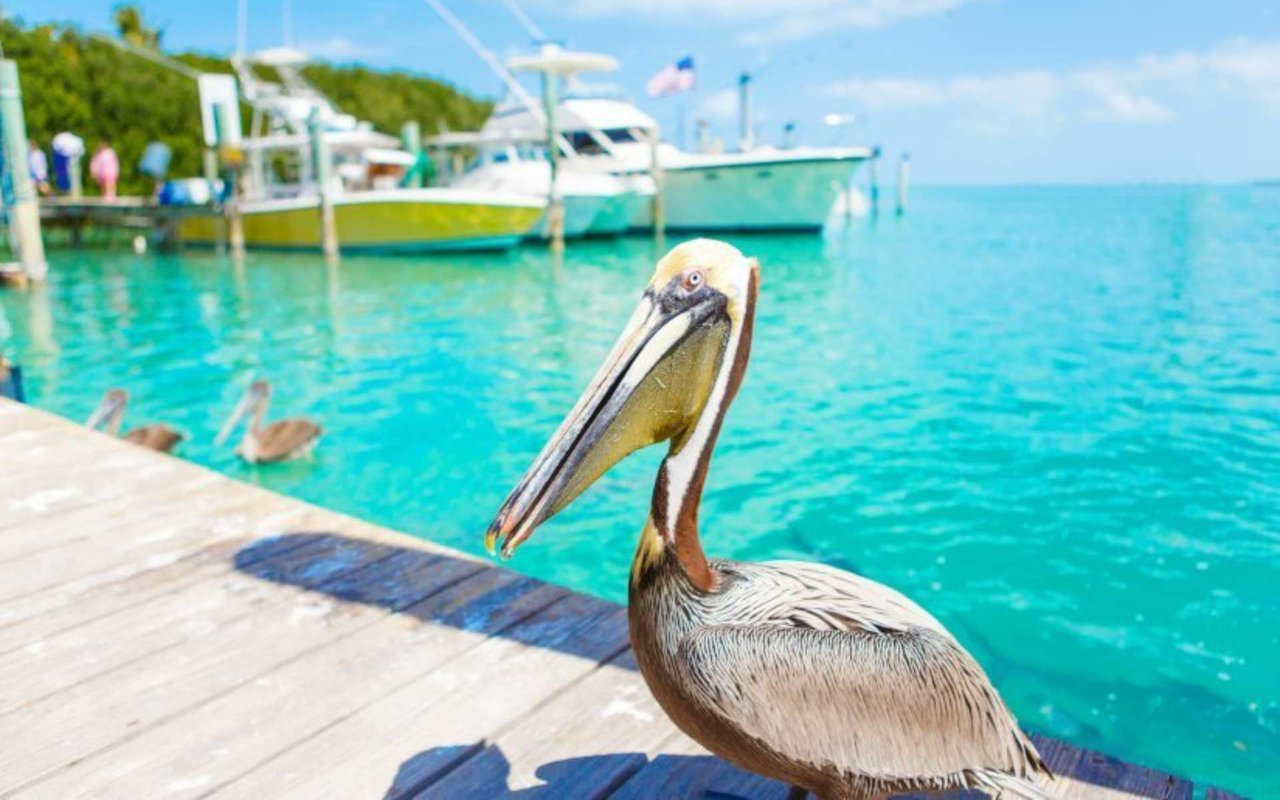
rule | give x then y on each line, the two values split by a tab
692	280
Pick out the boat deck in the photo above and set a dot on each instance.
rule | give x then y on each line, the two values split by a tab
165	630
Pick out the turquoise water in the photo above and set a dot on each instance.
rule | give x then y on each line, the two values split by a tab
1052	416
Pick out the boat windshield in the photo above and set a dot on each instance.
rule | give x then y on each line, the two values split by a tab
621	135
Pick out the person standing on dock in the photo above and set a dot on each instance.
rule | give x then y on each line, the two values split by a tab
38	164
105	169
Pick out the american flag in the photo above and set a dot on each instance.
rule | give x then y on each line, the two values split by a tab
677	77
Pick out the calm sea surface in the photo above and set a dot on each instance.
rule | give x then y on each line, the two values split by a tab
1051	416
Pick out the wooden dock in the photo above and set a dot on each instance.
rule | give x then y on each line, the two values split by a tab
140	214
166	631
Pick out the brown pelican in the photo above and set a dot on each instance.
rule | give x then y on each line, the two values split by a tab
801	672
110	413
279	441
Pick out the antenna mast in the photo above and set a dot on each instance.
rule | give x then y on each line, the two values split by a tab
530	27
488	57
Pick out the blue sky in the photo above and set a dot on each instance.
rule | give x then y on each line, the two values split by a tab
976	90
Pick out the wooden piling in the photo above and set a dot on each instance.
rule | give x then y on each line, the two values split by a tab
655	172
555	201
24	214
228	142
211	178
320	165
874	187
411	141
904	173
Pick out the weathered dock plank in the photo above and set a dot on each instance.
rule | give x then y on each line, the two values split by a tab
165	631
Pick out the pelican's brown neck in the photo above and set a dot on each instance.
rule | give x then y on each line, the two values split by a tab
677	492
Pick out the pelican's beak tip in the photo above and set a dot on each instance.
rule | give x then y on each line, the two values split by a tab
491	541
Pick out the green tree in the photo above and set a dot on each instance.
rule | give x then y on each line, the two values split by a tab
78	83
130	26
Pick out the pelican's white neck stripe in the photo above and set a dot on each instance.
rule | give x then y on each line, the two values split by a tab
680	466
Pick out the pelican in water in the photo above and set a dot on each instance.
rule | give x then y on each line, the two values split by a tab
110	413
801	672
280	441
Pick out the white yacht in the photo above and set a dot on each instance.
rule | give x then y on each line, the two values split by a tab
595	203
756	189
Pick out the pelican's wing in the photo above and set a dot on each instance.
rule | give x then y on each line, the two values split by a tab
287	438
831	668
156	437
890	706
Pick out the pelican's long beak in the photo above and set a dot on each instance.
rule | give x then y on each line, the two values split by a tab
653	383
108	408
242	409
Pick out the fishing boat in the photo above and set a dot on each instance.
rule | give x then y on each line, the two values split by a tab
280	199
595	203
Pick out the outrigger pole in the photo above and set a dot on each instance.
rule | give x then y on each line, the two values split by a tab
487	57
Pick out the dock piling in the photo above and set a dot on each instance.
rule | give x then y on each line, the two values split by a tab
227	140
904	173
320	163
411	141
24	214
655	172
747	133
873	189
555	203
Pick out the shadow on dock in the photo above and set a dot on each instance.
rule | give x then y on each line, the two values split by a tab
491	601
486	773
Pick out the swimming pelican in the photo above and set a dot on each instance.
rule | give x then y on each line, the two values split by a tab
110	413
800	672
279	441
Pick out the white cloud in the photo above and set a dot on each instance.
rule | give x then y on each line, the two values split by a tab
1142	90
338	48
788	20
868	14
720	106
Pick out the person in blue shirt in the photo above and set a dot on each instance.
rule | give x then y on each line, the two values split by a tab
38	165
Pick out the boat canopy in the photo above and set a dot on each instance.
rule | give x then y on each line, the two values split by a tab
552	60
280	57
337	140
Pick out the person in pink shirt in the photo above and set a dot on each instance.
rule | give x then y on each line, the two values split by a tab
105	169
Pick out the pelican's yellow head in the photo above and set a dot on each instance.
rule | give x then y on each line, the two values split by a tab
670	377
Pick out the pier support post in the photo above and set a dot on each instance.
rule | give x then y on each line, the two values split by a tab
227	140
655	172
76	179
874	187
320	164
904	173
24	215
211	177
411	141
555	202
746	122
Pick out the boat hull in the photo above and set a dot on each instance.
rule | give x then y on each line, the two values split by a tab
385	222
783	195
580	212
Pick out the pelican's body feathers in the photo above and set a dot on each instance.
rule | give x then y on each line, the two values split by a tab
280	441
158	437
826	680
